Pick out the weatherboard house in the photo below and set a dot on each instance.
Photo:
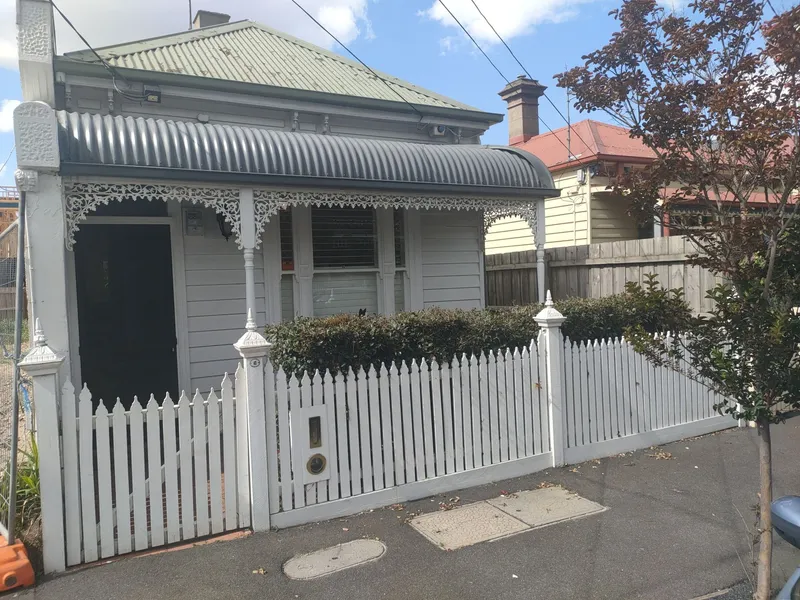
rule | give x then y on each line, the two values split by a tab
173	184
182	192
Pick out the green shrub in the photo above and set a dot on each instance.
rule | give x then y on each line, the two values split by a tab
28	496
343	341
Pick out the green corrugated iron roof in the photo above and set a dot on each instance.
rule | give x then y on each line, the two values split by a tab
249	52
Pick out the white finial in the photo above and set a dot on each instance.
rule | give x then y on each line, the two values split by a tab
548	299
251	323
39	338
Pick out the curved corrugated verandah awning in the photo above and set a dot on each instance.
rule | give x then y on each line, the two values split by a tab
106	144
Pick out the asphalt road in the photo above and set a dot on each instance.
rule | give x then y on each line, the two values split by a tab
675	529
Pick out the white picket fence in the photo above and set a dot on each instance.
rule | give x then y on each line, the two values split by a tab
151	475
388	428
278	450
616	400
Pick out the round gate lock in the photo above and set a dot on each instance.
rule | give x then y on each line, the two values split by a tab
316	464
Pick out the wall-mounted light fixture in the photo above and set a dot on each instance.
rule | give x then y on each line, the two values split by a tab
225	228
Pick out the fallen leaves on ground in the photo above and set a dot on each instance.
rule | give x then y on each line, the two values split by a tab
661	455
545	484
506	494
450	504
397	507
411	516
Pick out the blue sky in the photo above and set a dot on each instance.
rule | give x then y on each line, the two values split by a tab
411	39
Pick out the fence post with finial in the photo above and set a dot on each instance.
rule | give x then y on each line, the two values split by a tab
42	363
552	344
254	350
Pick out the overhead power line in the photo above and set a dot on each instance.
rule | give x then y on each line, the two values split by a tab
478	46
8	158
113	71
363	64
519	62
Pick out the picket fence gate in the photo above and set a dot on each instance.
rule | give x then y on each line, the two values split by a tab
151	475
274	449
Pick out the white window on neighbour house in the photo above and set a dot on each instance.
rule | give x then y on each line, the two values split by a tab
345	246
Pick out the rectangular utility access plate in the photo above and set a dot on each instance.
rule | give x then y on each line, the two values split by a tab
501	517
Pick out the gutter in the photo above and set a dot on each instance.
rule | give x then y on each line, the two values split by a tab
70	169
73	67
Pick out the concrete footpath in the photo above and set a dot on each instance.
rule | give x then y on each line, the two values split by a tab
675	528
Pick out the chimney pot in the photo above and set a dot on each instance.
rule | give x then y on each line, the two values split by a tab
207	18
522	96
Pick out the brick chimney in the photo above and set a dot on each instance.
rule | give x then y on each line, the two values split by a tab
206	18
522	96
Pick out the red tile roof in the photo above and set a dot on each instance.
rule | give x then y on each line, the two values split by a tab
602	142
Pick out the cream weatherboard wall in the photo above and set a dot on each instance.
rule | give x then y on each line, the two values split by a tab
610	219
510	234
568	219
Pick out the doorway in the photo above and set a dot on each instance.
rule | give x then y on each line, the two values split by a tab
126	312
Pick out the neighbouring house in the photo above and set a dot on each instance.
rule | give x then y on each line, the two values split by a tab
582	160
9	206
173	184
9	209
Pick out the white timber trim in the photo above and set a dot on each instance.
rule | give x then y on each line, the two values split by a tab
414	295
303	261
385	225
180	298
73	327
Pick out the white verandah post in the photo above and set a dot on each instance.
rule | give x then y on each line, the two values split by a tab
550	321
540	236
248	237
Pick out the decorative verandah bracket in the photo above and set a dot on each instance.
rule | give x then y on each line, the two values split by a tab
527	213
269	202
81	199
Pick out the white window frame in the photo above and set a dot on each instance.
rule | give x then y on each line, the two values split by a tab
304	269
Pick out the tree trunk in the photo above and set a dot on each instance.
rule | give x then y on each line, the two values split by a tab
764	570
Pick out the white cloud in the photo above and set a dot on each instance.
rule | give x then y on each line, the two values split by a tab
118	21
7	115
674	5
511	18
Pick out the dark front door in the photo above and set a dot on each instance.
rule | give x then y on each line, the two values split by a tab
126	312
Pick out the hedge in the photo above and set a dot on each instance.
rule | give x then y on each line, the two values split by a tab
343	341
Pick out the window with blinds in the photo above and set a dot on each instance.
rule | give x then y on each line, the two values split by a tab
344	237
287	240
287	297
